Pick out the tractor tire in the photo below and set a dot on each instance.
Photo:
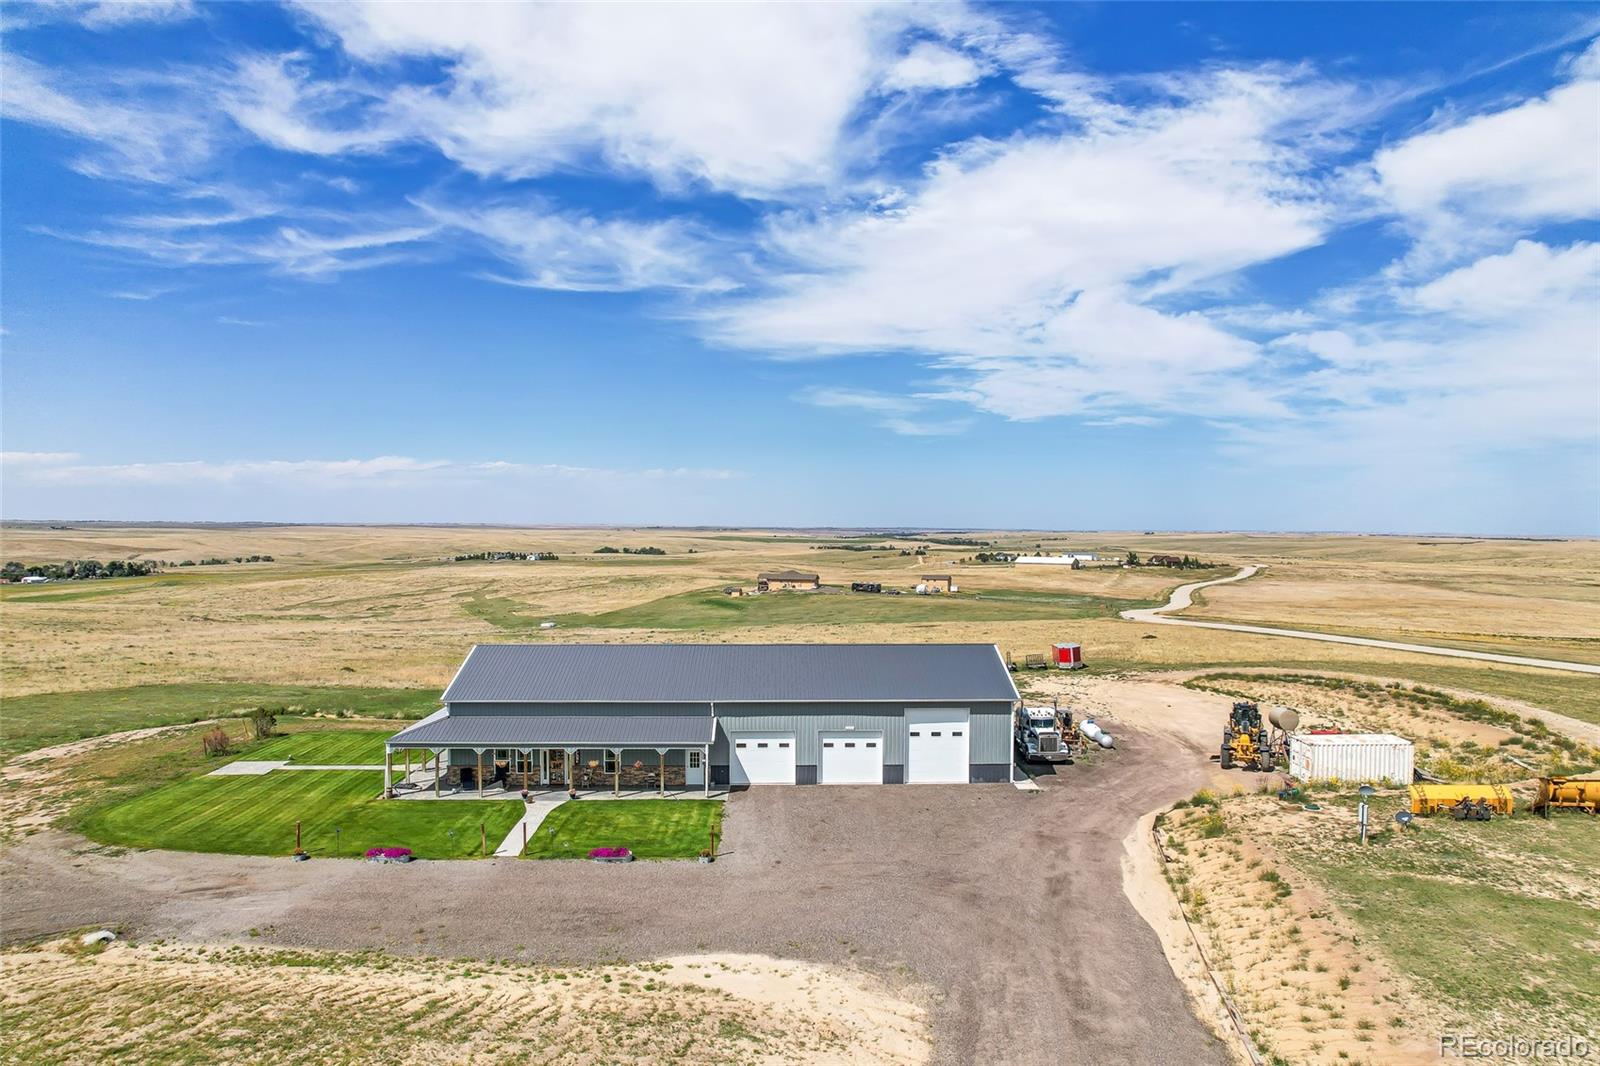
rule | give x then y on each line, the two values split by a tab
1227	757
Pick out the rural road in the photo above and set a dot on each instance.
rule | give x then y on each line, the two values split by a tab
1006	906
1183	597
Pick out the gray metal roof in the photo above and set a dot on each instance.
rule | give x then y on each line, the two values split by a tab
730	673
541	730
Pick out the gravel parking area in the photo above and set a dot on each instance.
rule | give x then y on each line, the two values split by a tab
1008	904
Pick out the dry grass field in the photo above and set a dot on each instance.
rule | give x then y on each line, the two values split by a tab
383	610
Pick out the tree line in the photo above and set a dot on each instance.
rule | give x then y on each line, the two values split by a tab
94	569
608	550
495	557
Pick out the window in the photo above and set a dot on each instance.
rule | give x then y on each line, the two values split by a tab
955	732
783	744
694	759
936	733
915	733
761	743
827	743
740	744
608	764
872	743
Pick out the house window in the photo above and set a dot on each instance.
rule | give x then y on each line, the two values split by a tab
694	759
609	762
827	743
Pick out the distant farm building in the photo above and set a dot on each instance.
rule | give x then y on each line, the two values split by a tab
1164	560
787	580
1072	559
937	583
732	590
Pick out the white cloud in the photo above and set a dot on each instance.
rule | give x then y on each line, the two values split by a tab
932	66
28	459
1531	278
250	323
1029	267
1466	186
902	415
575	252
102	14
395	471
748	98
139	126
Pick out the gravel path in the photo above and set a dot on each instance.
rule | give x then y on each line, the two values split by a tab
1182	597
1008	905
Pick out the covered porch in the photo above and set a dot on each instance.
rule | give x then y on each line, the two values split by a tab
484	756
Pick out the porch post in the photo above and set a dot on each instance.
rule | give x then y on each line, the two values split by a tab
480	772
571	756
527	756
661	774
438	755
407	778
705	771
388	770
616	778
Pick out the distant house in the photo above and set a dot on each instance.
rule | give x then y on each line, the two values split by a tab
787	580
1164	560
937	583
1072	559
35	579
732	590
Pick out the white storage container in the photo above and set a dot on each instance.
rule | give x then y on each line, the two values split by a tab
1359	758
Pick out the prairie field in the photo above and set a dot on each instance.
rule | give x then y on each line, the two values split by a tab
382	615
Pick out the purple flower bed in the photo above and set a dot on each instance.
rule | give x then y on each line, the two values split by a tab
392	854
611	855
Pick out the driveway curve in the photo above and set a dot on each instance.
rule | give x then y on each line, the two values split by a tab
1183	597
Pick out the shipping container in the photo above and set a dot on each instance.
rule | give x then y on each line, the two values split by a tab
1068	656
1359	758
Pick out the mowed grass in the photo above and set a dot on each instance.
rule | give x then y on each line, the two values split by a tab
651	829
257	815
39	721
711	609
325	749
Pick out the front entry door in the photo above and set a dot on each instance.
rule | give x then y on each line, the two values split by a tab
694	769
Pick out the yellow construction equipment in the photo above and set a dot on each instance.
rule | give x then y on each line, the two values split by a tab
1245	741
1465	802
1567	793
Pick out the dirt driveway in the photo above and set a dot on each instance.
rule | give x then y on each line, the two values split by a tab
1008	904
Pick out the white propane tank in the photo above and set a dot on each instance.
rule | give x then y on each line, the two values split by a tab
1284	718
1094	733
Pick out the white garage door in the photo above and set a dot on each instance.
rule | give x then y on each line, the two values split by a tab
850	757
937	750
761	758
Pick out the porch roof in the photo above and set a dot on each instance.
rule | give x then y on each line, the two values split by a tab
556	731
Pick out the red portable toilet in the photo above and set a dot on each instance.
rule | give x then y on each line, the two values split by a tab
1069	656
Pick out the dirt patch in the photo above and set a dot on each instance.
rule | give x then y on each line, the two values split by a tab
257	1004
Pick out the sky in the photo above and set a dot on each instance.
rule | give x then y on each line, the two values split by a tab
1124	266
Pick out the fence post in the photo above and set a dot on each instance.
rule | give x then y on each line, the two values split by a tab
483	840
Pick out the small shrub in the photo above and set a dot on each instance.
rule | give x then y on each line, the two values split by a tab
216	742
263	723
1212	826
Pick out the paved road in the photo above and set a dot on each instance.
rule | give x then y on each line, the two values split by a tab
1008	905
1183	596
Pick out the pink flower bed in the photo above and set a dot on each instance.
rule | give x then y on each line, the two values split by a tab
388	853
610	853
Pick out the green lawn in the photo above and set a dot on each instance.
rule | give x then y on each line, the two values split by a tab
256	816
55	717
326	749
710	609
651	829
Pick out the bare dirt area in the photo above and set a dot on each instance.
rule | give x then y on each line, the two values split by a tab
255	1004
1003	905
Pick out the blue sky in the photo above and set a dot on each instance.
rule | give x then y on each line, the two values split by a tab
1293	266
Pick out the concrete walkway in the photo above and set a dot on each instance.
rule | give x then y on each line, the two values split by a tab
537	812
1183	597
257	767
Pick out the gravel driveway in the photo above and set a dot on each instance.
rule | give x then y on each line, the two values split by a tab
1008	904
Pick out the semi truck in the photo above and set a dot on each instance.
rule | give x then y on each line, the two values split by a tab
1043	734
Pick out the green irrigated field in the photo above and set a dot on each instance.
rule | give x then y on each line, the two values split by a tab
711	609
257	815
326	749
651	829
55	717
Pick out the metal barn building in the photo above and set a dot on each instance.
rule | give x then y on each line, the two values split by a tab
662	715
